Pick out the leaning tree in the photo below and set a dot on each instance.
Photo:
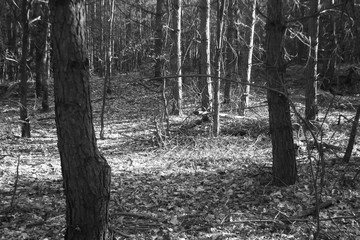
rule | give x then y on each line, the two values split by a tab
86	174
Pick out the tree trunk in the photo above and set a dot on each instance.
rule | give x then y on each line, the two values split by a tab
107	82
231	56
311	68
12	36
25	123
284	161
86	174
205	85
218	56
46	72
40	35
350	145
244	101
176	58
158	39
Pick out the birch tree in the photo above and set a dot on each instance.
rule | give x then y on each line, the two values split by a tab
311	68
205	65
176	57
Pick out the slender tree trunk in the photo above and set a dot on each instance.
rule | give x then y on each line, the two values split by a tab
205	84
107	87
284	161
311	109
46	72
40	35
12	45
231	56
244	101
218	56
158	39
350	145
25	123
176	58
86	174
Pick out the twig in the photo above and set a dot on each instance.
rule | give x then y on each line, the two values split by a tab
121	233
136	215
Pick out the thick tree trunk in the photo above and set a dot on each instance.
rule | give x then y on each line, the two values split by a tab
25	123
86	174
205	84
311	109
284	161
176	58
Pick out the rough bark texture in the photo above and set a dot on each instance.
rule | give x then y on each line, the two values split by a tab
25	123
176	58
284	161
205	65
311	68
86	174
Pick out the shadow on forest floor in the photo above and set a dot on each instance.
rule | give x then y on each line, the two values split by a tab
194	187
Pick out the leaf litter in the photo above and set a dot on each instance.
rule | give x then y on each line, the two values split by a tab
196	187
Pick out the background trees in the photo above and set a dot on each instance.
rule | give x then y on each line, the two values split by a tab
211	158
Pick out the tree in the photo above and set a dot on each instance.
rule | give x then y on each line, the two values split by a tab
244	101
158	42
205	65
284	161
108	56
218	56
231	54
86	174
311	68
25	123
40	42
12	39
176	57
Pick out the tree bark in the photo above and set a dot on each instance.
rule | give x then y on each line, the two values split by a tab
218	56
25	123
350	145
244	101
231	56
311	109
158	39
107	79
284	161
85	172
205	84
40	35
176	58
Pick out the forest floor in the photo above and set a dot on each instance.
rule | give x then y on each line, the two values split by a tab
190	185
